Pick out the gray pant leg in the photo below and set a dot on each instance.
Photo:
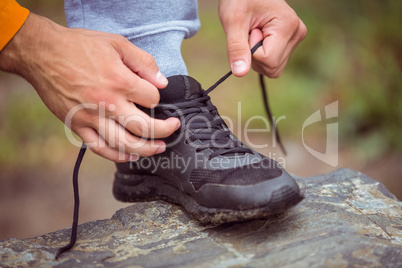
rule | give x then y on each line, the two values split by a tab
157	26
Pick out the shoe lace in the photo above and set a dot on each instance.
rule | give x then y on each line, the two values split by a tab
205	125
211	131
208	127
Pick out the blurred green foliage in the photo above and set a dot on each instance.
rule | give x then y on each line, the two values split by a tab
352	53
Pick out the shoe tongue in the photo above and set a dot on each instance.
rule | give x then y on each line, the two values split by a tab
180	88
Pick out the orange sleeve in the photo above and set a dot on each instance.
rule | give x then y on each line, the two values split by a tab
12	17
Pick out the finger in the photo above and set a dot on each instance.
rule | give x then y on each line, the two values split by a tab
302	31
261	67
237	47
255	37
276	45
141	63
97	144
143	92
262	62
142	125
119	138
272	54
271	73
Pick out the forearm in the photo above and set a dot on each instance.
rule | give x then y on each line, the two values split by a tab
11	56
19	55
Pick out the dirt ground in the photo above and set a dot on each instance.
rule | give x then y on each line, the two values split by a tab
35	202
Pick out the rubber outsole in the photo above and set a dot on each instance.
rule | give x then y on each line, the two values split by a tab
140	188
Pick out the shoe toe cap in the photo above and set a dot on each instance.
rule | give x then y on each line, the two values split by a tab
278	192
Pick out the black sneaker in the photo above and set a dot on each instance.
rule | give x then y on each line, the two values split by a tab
205	168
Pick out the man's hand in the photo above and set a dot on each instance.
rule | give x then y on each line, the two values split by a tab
246	22
73	67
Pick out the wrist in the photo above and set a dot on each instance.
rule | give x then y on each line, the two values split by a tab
9	55
21	51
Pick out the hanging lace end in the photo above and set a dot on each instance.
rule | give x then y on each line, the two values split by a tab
74	228
269	114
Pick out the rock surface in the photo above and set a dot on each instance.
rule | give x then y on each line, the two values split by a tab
346	219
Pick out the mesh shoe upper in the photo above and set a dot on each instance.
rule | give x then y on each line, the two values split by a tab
216	155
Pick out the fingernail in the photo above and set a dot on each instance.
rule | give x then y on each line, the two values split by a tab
239	66
172	120
133	157
178	126
161	78
161	149
175	120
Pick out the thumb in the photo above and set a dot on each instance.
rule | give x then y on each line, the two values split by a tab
238	47
142	63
